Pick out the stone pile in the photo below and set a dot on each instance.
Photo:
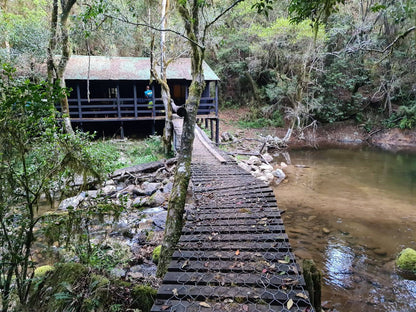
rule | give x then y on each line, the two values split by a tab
261	169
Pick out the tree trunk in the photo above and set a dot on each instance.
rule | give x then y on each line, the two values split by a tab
56	71
166	96
176	206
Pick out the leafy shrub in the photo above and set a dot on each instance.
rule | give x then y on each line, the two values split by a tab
404	118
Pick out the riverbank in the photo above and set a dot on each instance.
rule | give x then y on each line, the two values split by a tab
346	133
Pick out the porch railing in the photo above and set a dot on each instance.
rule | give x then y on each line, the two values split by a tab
119	108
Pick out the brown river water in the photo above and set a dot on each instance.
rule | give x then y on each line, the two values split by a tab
353	211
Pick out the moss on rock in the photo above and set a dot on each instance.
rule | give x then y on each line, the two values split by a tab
156	254
406	260
42	270
75	287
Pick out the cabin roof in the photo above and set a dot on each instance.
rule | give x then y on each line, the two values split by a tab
127	68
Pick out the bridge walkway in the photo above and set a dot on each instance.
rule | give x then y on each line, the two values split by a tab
234	254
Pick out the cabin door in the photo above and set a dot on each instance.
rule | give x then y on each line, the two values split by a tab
179	94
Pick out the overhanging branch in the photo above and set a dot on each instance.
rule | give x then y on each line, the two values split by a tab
402	36
127	21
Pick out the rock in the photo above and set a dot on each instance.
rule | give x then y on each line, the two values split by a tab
263	178
406	260
226	137
159	220
280	175
136	275
109	190
167	188
157	199
109	182
257	173
266	167
129	189
267	157
138	191
325	230
254	160
269	176
117	272
150	188
283	164
245	166
139	201
72	202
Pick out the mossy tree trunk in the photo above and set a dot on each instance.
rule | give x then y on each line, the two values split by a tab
176	207
56	70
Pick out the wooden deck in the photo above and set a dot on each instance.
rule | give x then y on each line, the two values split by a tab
234	254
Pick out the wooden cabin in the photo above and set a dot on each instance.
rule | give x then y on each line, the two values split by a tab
116	87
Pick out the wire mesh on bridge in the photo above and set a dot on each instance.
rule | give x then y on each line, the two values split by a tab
234	254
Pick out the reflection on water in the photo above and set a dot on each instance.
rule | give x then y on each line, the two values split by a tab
366	200
339	260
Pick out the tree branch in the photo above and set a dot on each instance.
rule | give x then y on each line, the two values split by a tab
402	36
221	15
127	21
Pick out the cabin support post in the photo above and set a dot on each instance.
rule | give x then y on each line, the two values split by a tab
153	108
118	101
216	99
206	123
79	101
135	100
211	128
217	131
153	125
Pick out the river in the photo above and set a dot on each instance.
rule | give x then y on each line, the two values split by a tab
353	211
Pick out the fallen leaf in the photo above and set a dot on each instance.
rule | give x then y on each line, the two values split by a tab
165	307
302	295
245	307
175	292
289	304
185	264
264	271
237	252
204	304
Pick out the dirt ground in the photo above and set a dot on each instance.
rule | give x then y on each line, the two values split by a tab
335	134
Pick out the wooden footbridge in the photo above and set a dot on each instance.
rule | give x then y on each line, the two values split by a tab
234	254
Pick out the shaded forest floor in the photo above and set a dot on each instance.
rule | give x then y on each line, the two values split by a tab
336	134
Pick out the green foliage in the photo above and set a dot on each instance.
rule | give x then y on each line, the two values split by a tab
144	296
259	119
36	157
404	118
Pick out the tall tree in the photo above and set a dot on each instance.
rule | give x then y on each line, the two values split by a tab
56	67
196	34
162	78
